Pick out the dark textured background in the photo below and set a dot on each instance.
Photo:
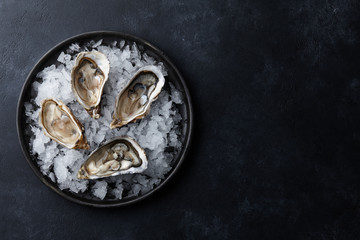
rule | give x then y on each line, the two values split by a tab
276	91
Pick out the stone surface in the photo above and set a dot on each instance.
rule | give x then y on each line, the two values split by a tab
276	92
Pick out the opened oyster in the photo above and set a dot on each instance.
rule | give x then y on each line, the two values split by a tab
88	78
134	101
121	155
61	125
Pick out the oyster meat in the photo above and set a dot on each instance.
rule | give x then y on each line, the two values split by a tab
61	125
134	101
121	155
88	78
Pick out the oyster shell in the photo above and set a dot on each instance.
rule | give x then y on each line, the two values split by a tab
121	155
88	78
61	125
134	101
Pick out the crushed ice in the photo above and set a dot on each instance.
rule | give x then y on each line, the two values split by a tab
156	133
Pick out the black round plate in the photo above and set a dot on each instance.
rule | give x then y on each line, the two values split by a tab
108	37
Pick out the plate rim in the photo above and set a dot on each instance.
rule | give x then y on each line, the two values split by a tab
20	132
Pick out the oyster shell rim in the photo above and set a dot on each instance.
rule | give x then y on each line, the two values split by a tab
81	143
116	122
131	170
94	111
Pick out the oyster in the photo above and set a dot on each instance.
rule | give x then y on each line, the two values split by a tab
61	125
121	155
88	78
134	101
